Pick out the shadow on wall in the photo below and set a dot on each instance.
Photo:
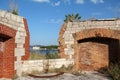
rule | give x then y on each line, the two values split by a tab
97	52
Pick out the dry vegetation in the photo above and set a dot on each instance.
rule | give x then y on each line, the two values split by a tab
38	56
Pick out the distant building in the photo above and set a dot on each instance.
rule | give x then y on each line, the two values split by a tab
36	48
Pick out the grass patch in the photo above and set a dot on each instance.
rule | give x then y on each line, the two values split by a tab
15	76
113	70
63	68
78	73
38	56
52	56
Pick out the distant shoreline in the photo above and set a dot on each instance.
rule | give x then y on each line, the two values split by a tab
43	51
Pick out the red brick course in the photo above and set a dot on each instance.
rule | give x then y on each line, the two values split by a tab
1	63
96	48
27	41
93	48
62	45
7	49
7	54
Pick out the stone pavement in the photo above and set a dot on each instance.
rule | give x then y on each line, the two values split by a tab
67	76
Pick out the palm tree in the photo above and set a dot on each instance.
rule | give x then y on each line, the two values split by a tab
72	17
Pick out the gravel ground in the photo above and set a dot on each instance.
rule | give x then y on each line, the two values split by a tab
68	76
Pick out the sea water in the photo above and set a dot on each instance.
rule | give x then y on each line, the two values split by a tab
44	51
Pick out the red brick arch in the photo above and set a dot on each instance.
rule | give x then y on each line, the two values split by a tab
86	44
7	46
62	45
98	32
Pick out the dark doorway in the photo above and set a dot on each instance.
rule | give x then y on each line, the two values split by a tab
3	39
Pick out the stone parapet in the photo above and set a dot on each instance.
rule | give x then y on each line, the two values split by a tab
30	66
76	26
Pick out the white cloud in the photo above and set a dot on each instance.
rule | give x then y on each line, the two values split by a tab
55	21
51	21
97	1
67	1
42	1
80	1
56	3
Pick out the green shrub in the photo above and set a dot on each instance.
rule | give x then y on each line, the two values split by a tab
114	71
52	56
78	73
37	56
63	68
103	70
15	76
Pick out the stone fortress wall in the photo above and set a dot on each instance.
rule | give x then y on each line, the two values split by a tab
72	32
14	37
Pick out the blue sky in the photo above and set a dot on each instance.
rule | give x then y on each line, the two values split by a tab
45	17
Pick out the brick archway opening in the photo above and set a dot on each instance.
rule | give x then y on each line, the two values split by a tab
3	40
7	46
97	52
4	37
96	48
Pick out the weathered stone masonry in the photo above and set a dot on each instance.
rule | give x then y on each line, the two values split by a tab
92	44
14	44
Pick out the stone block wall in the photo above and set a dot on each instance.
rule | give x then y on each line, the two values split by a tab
14	44
78	31
30	66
